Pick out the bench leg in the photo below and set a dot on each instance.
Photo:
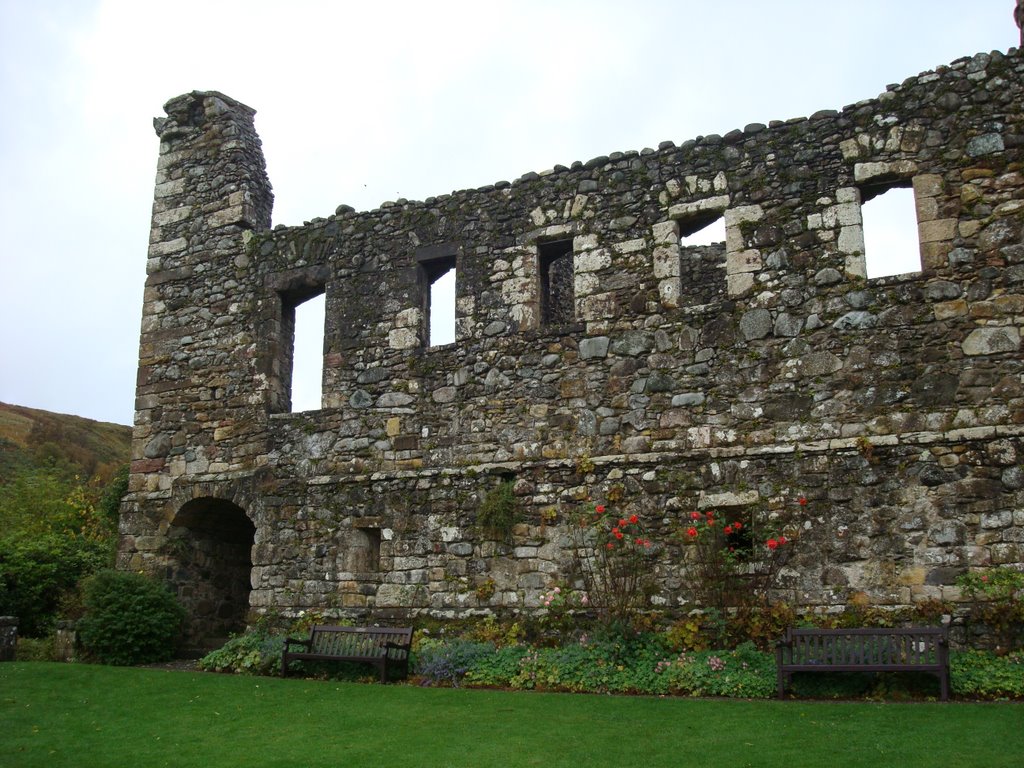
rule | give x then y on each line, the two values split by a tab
284	665
782	685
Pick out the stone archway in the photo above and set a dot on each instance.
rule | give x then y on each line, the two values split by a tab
210	541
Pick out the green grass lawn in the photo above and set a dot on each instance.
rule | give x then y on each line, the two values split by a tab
83	715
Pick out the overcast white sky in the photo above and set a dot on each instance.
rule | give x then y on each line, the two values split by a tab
362	103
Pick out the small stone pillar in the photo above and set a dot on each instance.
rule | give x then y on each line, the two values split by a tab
8	637
65	641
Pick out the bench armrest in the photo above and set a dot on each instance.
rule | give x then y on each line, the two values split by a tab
288	641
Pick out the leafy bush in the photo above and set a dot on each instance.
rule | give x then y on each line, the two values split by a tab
36	649
446	663
986	675
251	653
497	512
38	572
129	619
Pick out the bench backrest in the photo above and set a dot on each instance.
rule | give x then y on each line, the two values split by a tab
365	642
913	646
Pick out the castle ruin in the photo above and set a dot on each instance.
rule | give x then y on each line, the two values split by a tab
597	356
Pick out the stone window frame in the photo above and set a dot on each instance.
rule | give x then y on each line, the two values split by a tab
432	262
548	253
935	233
522	292
287	291
667	254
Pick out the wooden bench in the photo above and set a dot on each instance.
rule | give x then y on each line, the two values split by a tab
915	649
385	647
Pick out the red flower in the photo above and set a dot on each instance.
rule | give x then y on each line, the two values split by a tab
728	530
737	525
802	501
691	532
710	520
615	531
782	540
771	543
599	509
639	542
695	515
647	542
610	545
618	533
634	519
622	522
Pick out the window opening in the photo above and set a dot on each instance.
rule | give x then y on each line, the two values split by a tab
557	294
307	353
705	229
439	301
702	257
891	241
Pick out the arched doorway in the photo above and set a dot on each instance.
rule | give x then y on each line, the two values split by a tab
211	544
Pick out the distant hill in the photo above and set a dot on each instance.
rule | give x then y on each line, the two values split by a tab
90	448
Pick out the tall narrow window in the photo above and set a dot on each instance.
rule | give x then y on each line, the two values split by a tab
308	355
442	309
438	278
557	295
891	240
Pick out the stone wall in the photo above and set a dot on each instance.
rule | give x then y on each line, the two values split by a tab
657	376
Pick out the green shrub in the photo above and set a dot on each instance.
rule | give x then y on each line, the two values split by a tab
985	675
129	619
251	653
36	649
447	662
39	571
497	512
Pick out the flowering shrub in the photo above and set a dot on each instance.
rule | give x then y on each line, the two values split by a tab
612	556
729	567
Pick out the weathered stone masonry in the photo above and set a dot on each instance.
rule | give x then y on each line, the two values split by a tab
595	358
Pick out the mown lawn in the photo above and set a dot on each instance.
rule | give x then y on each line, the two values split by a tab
83	715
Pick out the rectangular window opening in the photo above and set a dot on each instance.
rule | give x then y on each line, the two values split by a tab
704	229
557	293
891	241
439	300
702	257
307	353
